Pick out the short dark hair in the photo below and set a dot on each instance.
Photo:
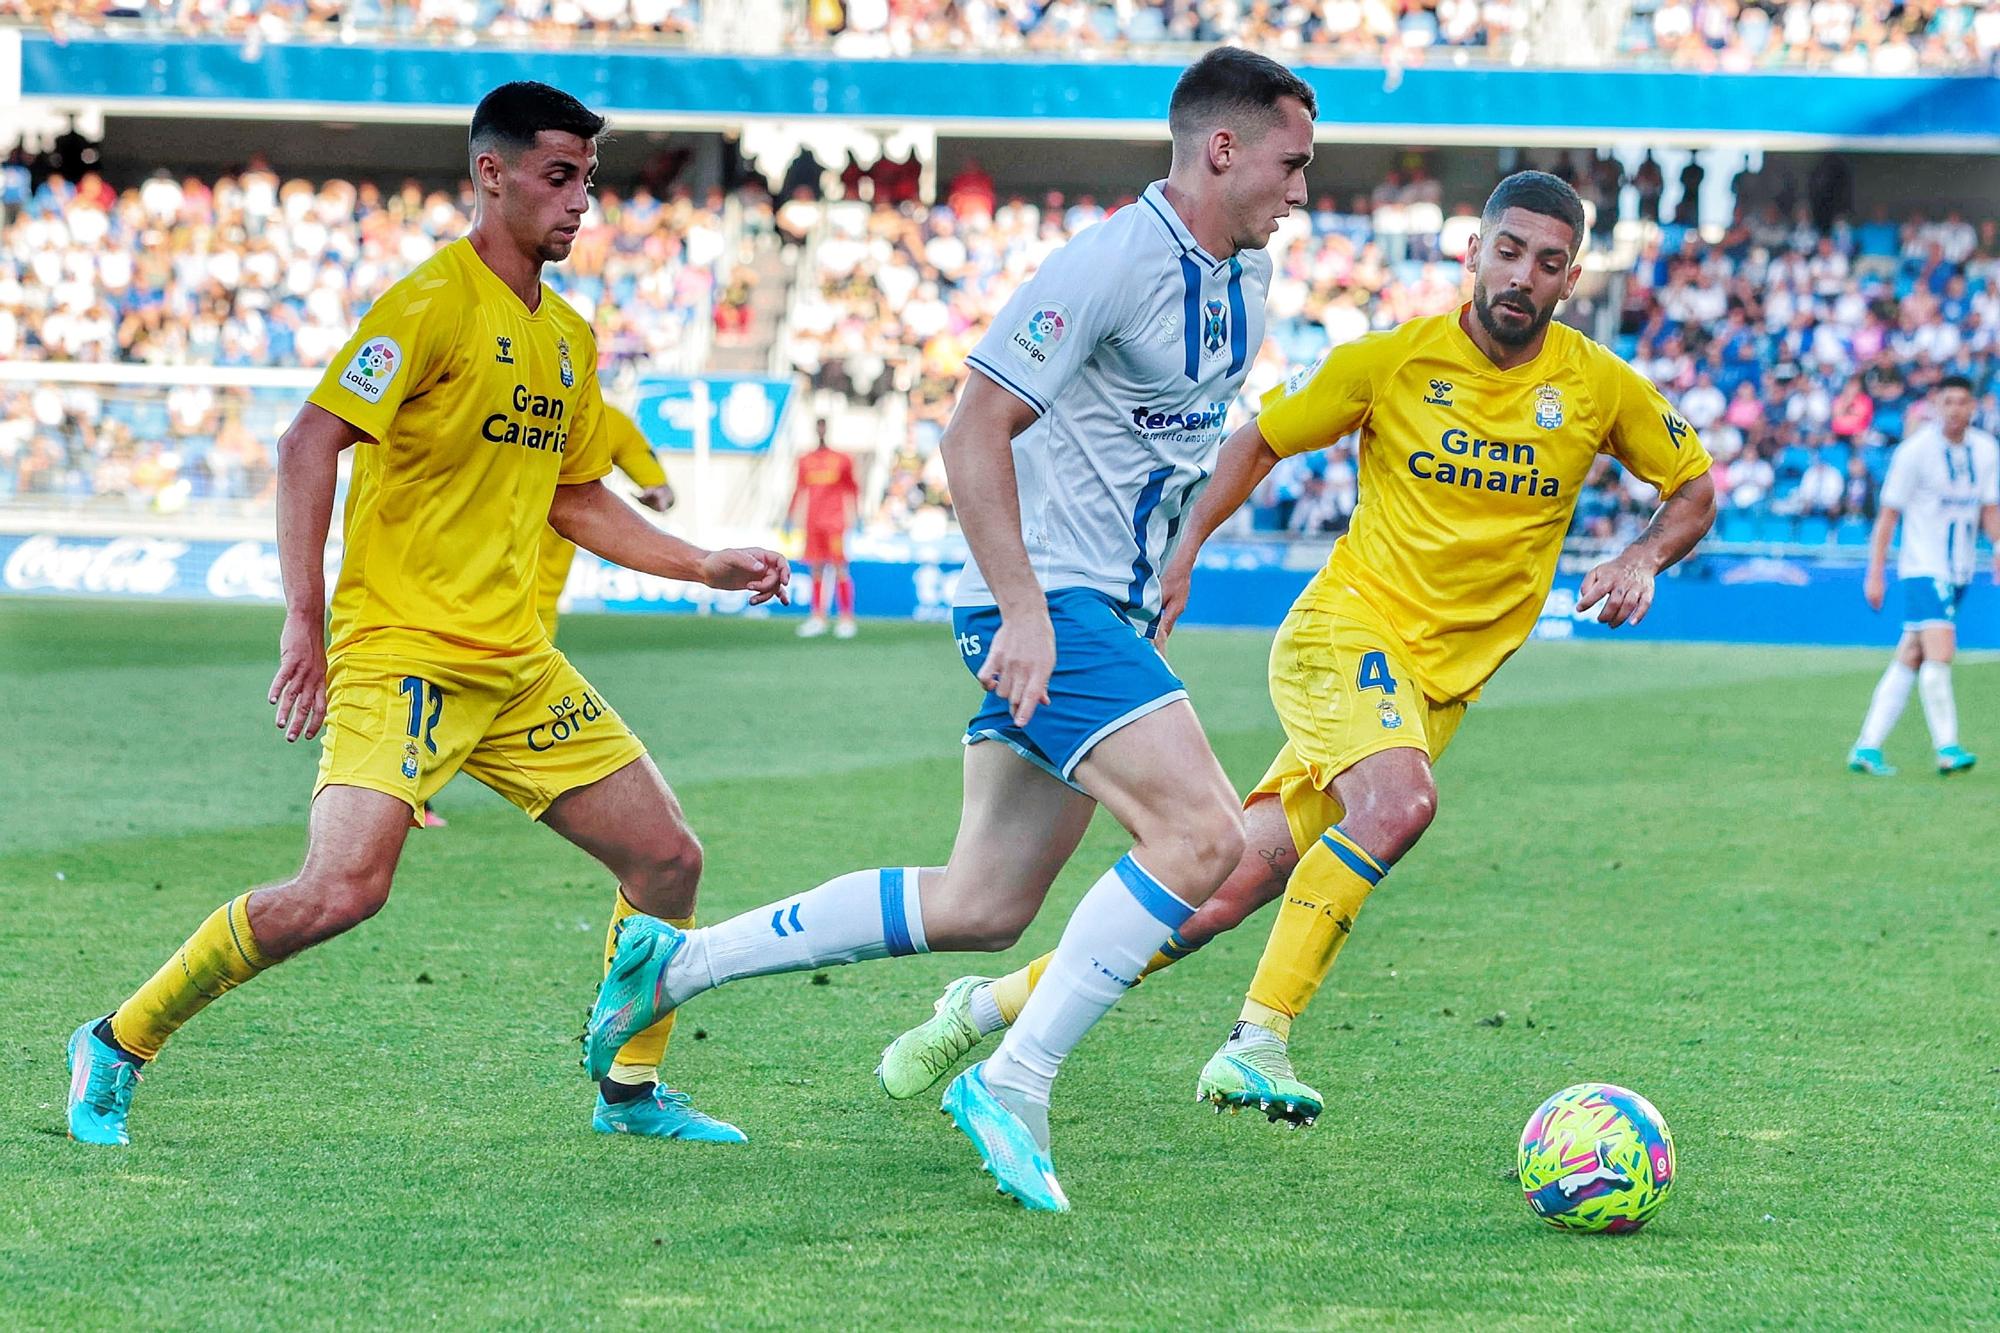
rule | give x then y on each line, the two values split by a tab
1955	382
1229	82
508	118
1537	192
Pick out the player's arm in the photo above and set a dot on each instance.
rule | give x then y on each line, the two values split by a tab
1649	437
978	448
1310	411
308	458
1989	519
1898	489
1875	584
1624	583
1246	459
589	514
632	454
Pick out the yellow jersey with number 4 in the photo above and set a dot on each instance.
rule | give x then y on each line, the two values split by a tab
475	408
1468	477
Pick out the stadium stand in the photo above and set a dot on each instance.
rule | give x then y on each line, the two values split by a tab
1847	36
1799	346
251	271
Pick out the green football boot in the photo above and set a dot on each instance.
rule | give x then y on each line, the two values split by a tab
915	1061
1257	1075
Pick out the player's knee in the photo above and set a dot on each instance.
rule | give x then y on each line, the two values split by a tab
347	897
1213	839
1390	822
670	864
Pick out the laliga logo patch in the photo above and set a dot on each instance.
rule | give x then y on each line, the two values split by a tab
1390	718
1548	407
562	354
1214	327
1039	336
1302	377
409	759
373	369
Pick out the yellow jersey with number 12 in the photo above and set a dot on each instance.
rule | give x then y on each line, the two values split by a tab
1469	475
475	408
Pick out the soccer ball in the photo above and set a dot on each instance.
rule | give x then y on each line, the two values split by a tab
1596	1157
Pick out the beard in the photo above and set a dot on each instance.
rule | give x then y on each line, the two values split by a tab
1482	308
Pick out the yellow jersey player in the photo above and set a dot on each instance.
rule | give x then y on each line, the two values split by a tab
630	454
470	393
1477	430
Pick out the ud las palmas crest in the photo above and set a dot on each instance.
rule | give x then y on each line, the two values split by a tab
1548	407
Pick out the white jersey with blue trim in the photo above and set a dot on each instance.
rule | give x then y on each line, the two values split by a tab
1939	487
1130	342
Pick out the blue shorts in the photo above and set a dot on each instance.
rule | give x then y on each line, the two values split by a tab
1107	676
1931	603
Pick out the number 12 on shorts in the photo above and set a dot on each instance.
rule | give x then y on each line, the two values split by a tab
423	727
1374	674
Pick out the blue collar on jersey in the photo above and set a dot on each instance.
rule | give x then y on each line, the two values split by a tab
1154	201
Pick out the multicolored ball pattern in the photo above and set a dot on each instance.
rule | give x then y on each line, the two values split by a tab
1596	1157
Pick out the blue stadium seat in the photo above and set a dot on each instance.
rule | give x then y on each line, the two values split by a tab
1812	528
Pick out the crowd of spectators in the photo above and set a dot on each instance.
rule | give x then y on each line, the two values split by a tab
1331	30
1801	343
1843	36
250	270
1801	351
542	22
1839	36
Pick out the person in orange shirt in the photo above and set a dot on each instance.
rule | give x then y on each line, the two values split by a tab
826	490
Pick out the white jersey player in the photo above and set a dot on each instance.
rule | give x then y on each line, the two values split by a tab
1090	420
1129	345
1943	486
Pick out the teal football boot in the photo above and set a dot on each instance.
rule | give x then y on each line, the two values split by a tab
663	1114
1257	1075
1871	762
633	995
1009	1149
915	1061
1955	759
101	1080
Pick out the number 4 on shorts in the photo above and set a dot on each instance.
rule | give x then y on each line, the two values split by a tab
1375	673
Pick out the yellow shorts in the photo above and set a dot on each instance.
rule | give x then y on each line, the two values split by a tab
1343	691
529	727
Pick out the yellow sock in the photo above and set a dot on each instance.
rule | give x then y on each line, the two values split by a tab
1325	895
1011	992
638	1060
221	955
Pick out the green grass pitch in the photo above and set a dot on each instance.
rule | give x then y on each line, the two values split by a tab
1649	859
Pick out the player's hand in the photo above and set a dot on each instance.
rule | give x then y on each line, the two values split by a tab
299	688
1874	588
658	498
1624	585
1174	582
1020	663
766	574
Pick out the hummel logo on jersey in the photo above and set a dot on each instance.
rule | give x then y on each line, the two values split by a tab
1440	394
505	356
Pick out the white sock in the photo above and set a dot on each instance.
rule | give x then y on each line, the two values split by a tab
865	914
1115	931
1891	693
986	1014
1940	709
